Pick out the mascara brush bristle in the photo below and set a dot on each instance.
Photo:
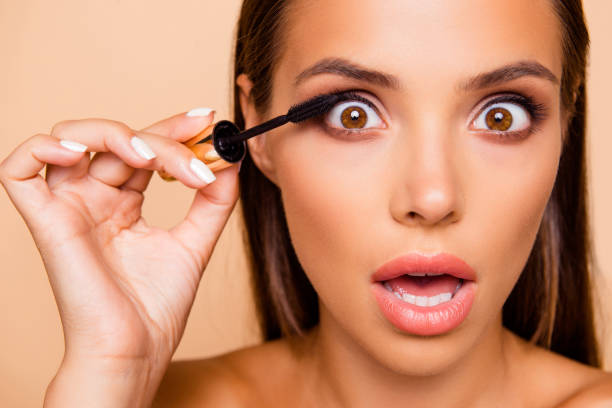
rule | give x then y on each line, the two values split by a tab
312	108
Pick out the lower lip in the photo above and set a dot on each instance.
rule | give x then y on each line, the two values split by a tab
425	321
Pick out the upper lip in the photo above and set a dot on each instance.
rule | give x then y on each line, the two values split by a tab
415	263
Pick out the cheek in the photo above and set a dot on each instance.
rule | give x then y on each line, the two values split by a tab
333	198
511	187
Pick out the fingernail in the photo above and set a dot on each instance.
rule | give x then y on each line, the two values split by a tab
212	155
202	171
142	148
74	146
200	112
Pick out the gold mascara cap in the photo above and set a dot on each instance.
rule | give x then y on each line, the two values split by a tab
204	151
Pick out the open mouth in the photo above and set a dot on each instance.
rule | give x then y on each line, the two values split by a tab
425	295
424	290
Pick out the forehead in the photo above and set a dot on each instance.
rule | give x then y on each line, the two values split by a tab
422	42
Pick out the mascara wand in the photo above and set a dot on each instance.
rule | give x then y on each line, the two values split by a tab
226	136
229	143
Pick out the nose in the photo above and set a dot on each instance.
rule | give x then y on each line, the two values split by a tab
426	188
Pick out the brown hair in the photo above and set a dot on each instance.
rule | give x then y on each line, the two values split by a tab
551	305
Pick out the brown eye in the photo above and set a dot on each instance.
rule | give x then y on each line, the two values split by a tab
354	117
503	117
499	119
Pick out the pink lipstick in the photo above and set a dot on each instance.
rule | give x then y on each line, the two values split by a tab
425	295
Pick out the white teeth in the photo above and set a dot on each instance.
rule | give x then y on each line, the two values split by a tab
407	297
425	301
433	300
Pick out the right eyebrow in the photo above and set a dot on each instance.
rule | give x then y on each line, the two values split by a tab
506	73
343	67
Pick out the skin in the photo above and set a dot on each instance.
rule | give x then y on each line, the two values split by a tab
426	182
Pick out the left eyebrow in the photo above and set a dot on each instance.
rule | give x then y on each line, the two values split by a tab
348	69
507	73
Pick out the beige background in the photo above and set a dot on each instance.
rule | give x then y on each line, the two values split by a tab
139	61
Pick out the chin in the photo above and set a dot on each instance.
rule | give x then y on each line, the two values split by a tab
420	356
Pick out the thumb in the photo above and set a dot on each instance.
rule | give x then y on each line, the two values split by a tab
209	212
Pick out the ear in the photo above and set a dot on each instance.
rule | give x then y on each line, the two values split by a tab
258	148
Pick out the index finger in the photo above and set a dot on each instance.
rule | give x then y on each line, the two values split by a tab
182	126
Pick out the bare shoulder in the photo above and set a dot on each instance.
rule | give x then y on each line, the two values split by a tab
595	394
230	380
563	382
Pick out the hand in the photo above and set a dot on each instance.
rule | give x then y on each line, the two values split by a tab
123	288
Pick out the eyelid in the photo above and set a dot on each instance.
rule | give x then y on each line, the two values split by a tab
494	100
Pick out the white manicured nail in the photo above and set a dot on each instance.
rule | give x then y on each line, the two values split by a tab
74	146
142	148
199	112
202	170
212	155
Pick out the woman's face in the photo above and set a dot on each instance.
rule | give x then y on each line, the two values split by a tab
428	168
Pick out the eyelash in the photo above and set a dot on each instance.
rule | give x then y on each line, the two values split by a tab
536	111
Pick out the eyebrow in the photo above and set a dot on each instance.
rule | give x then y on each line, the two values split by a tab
507	73
348	69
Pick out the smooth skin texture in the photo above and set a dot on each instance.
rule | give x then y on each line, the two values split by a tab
427	181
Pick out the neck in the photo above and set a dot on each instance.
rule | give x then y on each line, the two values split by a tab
347	375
